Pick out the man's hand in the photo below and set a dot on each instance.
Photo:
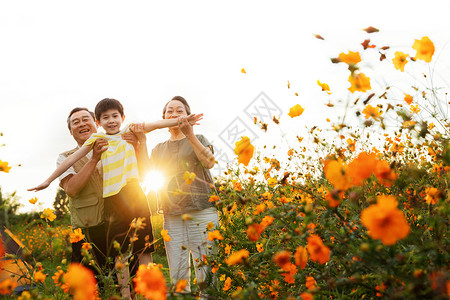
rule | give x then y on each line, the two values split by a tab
100	146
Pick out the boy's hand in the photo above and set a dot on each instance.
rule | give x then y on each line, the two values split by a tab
100	146
42	186
194	119
136	135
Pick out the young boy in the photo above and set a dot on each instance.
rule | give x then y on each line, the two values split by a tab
124	198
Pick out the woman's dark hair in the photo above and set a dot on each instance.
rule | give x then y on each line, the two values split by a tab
182	100
105	104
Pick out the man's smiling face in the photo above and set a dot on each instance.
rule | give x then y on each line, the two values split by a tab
82	126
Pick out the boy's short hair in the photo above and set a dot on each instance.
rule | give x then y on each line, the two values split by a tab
105	104
182	100
77	109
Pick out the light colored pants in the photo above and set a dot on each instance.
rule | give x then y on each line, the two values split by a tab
189	237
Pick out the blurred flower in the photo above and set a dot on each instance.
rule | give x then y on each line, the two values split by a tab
86	246
307	296
373	112
210	226
259	209
424	48
301	257
362	167
282	259
324	87
227	284
318	252
33	200
400	60
385	221
332	198
237	257
39	276
165	235
244	150
243	71
2	250
289	275
254	232
81	282
384	173
310	283
138	223
414	109
189	177
7	286
352	58
259	247
215	235
213	198
150	283
181	285
335	172
295	111
4	167
48	214
359	82
76	236
408	99
266	221
432	195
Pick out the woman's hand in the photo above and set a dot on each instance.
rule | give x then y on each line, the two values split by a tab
185	126
42	186
194	119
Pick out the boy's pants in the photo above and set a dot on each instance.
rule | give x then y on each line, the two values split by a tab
192	235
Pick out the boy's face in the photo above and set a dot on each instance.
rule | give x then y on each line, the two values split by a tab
111	120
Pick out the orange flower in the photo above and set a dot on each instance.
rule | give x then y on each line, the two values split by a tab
362	167
301	257
165	235
254	231
385	221
86	246
414	109
150	283
259	209
2	249
310	283
39	276
400	60
289	275
324	87
295	111
266	221
215	235
181	285
81	282
244	150
33	200
189	177
227	284
432	195
283	259
76	236
307	296
373	112
48	214
359	82
384	173
237	257
259	247
335	172
58	279
408	99
352	58
332	198
318	252
424	48
7	286
213	198
4	167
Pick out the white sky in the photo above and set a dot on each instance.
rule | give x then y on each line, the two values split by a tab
56	55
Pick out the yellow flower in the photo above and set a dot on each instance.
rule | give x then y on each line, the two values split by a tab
385	221
414	109
373	112
33	200
39	276
243	71
237	257
295	111
4	167
244	150
48	214
210	226
424	48
259	247
189	177
324	87
352	58
76	236
165	235
400	60
359	82
214	235
432	195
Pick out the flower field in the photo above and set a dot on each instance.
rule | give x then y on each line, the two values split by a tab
360	212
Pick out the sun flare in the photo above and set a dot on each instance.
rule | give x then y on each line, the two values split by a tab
153	181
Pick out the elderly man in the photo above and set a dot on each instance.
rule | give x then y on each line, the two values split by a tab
83	184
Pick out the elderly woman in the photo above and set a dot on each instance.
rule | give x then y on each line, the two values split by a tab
185	160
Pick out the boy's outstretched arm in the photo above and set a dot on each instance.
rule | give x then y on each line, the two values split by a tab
193	119
67	163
